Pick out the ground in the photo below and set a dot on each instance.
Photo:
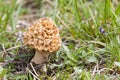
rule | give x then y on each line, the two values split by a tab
90	34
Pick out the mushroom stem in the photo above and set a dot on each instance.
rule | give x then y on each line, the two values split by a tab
40	57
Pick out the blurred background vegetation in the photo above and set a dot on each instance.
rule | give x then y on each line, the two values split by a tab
90	32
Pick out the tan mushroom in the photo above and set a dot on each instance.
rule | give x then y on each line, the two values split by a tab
43	36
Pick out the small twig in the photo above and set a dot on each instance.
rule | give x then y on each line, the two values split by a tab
4	51
11	48
54	78
103	69
34	69
97	42
32	74
97	66
3	48
93	73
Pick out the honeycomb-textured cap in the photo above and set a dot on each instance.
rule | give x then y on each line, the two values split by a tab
43	35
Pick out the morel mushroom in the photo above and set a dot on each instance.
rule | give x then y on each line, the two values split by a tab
44	37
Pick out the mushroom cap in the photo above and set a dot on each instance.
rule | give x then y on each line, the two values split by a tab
43	35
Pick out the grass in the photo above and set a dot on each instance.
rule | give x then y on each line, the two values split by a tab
90	32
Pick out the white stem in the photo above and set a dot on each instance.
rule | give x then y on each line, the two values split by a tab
40	57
